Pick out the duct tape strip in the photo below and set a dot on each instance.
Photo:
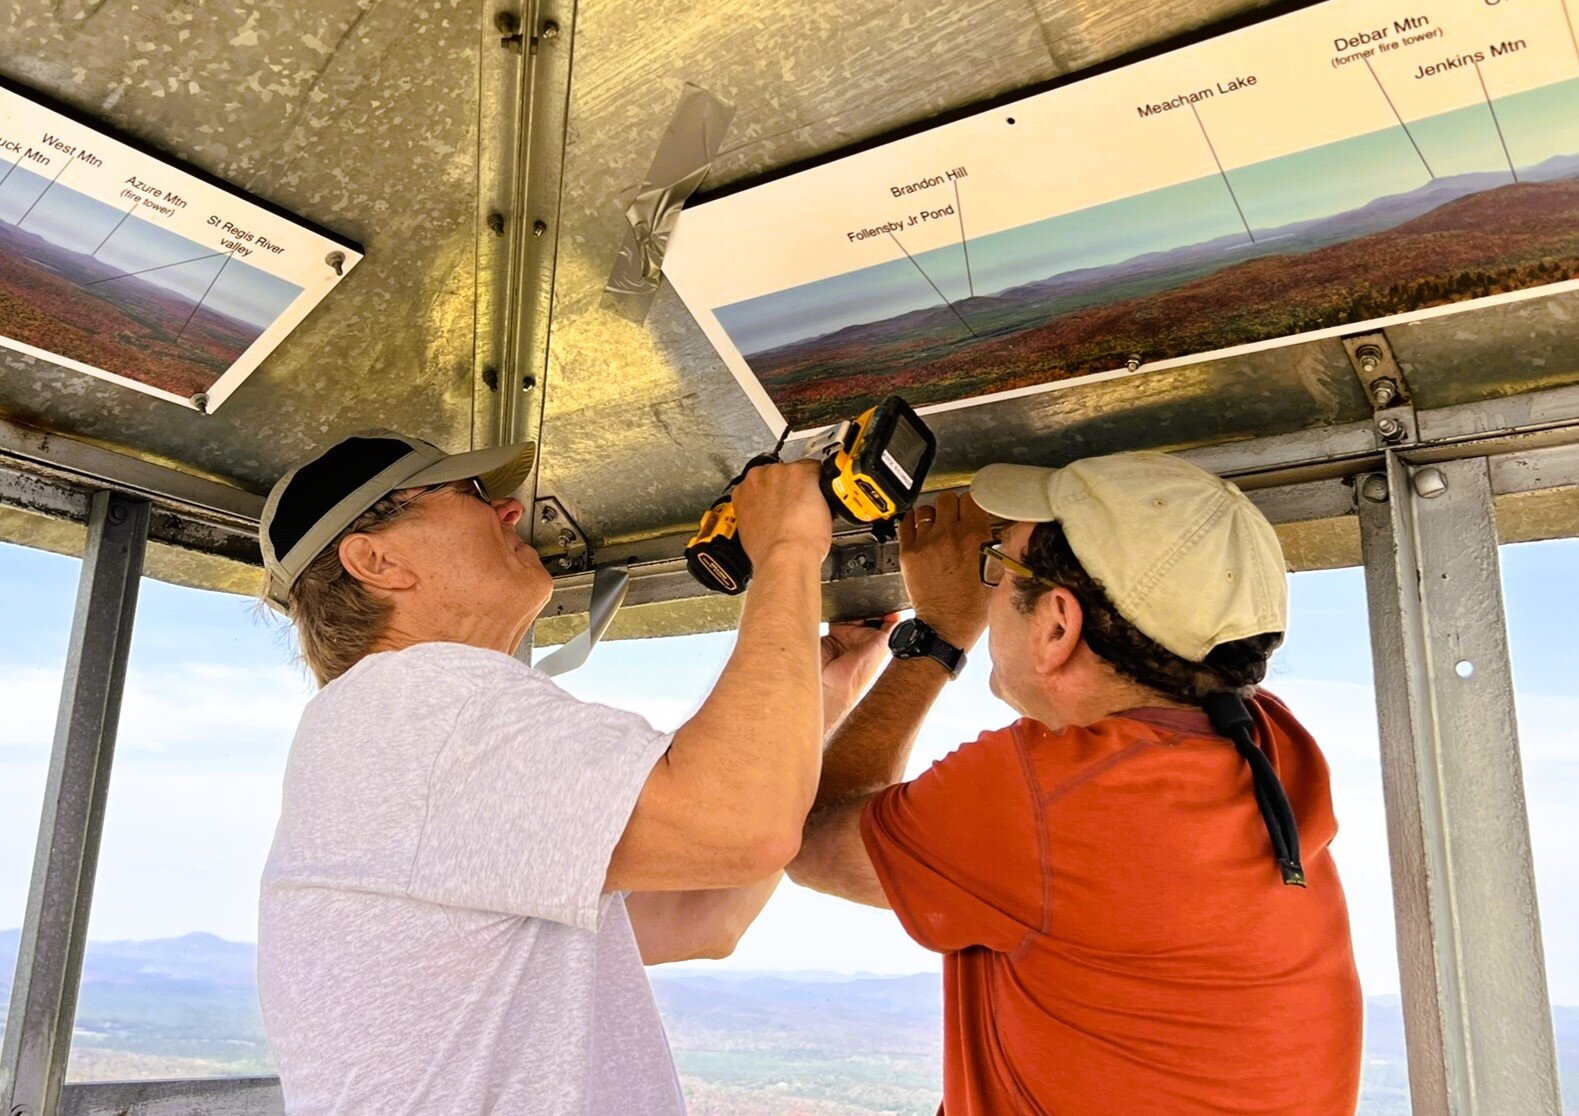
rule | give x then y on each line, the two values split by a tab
609	586
682	161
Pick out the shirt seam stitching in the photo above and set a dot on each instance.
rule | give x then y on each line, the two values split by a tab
1101	767
1043	863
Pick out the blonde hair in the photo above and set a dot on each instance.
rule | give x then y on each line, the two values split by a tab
338	620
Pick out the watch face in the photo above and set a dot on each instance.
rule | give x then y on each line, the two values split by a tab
907	638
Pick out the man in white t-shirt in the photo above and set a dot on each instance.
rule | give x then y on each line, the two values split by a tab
471	866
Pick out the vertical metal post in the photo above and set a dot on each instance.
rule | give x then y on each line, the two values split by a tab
54	930
1476	1010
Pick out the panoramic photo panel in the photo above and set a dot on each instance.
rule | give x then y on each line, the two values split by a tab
1186	206
116	263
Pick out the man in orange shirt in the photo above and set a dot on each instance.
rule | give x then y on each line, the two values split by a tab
1131	886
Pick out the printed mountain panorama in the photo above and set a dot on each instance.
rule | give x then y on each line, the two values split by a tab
827	348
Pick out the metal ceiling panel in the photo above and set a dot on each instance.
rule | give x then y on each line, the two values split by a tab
391	122
359	115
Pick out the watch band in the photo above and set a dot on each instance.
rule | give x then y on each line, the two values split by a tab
916	639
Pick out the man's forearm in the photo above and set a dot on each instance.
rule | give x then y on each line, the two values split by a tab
757	738
688	925
870	749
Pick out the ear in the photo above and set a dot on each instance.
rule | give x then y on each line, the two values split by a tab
1055	630
375	562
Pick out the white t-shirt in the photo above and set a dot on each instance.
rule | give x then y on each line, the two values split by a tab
434	936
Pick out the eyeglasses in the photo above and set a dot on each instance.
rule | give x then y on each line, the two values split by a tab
994	562
472	487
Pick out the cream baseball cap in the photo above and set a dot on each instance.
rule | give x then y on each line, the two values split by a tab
1182	554
310	505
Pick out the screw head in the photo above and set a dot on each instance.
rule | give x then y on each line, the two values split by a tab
336	262
548	514
528	381
567	537
506	23
1369	358
1133	362
550	29
200	401
1374	488
1383	392
1429	483
539	228
1390	429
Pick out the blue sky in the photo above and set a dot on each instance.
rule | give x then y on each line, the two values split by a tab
212	700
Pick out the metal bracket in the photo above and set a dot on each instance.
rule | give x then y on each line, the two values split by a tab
866	557
609	586
1386	389
556	535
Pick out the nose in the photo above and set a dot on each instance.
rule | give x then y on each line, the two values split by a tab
509	511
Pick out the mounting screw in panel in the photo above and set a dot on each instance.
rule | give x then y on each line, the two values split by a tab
496	223
548	513
1133	362
538	229
528	382
1369	358
1383	392
200	401
490	377
509	28
1374	488
336	262
567	537
564	563
1429	483
550	30
1391	430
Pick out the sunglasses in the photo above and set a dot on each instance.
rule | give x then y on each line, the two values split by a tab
470	487
994	563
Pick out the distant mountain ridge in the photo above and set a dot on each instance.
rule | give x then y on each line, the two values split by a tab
745	1042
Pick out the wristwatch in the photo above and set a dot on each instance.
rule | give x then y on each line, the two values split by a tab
915	639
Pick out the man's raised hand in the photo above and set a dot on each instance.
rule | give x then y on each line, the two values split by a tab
939	555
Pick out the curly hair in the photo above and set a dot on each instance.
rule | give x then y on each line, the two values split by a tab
1236	666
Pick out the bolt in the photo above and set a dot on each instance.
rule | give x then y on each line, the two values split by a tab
564	563
1429	483
506	23
490	377
567	537
496	223
550	30
1133	362
336	262
117	513
548	514
863	560
538	229
528	382
1374	488
1370	358
1383	392
1391	429
200	401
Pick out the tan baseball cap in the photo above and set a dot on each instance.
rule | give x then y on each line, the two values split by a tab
310	505
1183	555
